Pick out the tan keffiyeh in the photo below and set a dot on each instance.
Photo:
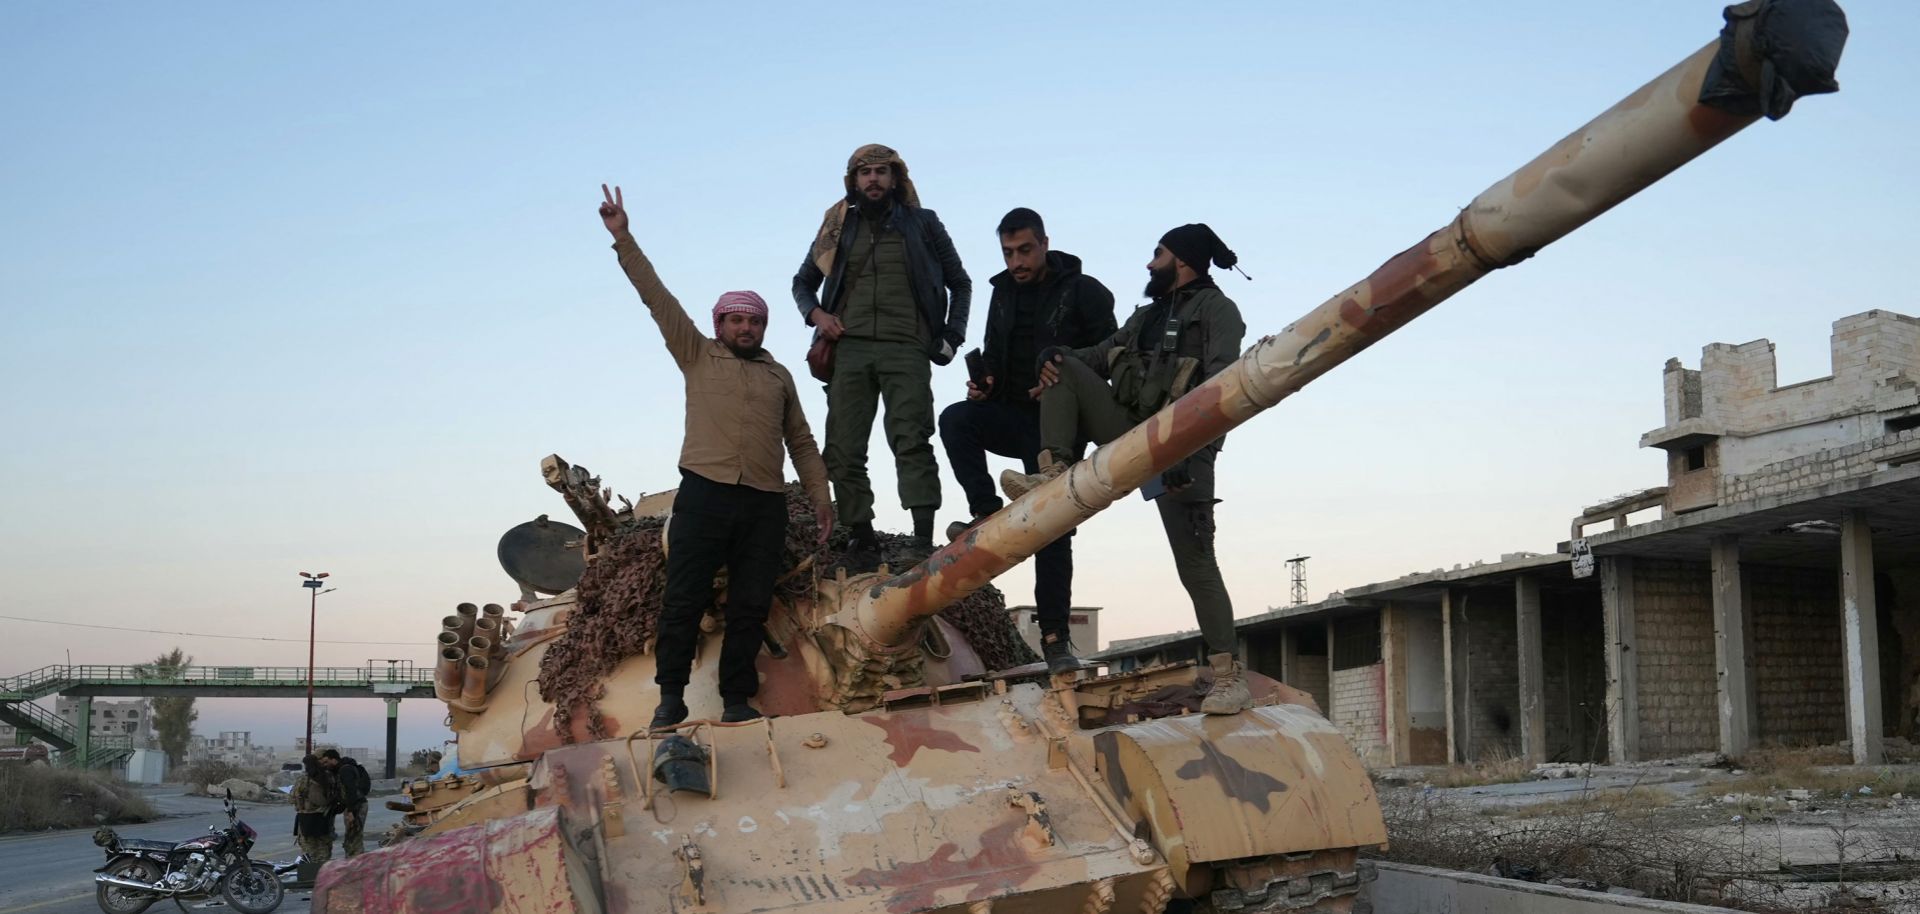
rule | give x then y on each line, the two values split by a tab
826	243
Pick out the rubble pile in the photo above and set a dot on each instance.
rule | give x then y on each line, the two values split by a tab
620	598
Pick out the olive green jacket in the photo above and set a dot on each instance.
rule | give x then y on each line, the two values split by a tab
1210	333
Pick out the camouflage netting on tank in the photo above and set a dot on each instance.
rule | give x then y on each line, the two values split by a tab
620	597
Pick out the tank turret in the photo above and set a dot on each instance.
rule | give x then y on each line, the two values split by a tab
908	767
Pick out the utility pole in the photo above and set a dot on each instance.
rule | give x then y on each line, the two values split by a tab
313	585
1297	567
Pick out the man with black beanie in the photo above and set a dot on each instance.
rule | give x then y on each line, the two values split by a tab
1041	300
1186	333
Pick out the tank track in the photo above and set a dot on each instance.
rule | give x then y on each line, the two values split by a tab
1312	890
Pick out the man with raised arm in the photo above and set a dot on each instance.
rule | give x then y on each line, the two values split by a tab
731	509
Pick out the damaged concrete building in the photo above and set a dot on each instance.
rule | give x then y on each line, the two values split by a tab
1767	594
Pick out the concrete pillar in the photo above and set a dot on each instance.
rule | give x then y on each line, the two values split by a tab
393	734
1730	648
1288	659
1533	676
1623	663
1393	686
1447	673
84	734
1864	726
1329	708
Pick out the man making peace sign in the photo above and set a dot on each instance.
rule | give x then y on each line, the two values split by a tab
731	509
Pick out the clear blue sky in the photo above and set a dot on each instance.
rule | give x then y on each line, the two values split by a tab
315	287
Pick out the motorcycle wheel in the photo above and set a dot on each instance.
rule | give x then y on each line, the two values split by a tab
116	900
252	889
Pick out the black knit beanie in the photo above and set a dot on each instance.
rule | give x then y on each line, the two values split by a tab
1196	244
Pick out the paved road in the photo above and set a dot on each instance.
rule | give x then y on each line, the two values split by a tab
52	872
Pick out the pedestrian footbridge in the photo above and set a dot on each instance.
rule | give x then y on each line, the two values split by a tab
389	679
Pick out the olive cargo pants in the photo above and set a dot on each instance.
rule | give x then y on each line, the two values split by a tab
898	376
1081	410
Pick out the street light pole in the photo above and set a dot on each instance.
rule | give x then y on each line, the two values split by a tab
313	585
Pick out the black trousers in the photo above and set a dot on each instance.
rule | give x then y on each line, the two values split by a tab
972	429
718	525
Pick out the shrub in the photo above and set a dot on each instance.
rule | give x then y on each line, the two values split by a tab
36	797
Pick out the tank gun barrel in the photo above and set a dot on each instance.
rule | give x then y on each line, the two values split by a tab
1638	141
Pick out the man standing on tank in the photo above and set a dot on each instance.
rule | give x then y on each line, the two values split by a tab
1041	300
742	411
1188	332
895	298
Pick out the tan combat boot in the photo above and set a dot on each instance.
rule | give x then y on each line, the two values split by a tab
1229	694
1018	484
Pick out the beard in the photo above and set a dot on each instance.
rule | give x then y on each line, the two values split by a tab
870	205
745	351
1160	282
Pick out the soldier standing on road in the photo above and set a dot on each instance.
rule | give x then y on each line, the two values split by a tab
731	509
353	784
1187	333
895	299
313	800
1040	301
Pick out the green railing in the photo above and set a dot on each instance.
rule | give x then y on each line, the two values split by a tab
50	679
30	716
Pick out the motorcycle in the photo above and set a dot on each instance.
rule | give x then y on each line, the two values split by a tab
138	873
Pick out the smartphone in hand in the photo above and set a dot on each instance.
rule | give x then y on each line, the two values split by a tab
977	368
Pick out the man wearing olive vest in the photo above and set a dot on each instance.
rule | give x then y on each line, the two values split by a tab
883	283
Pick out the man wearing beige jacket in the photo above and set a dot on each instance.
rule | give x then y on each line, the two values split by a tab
731	509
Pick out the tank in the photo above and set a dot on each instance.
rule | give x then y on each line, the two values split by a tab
916	759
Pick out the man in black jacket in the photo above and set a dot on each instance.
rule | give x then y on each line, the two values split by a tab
353	784
1041	300
895	299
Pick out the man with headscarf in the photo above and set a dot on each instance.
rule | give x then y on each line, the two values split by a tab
731	510
1185	334
894	299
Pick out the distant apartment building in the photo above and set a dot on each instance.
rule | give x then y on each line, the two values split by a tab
130	719
234	747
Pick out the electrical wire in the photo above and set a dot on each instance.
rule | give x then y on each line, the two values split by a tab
155	631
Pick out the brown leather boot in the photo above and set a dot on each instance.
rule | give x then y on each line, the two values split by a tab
1229	694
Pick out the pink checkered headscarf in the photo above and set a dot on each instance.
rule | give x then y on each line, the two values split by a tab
739	302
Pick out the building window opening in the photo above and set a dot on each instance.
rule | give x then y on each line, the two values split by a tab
1356	642
1903	423
1697	458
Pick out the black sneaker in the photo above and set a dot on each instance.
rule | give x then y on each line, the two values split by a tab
1058	652
672	710
739	712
